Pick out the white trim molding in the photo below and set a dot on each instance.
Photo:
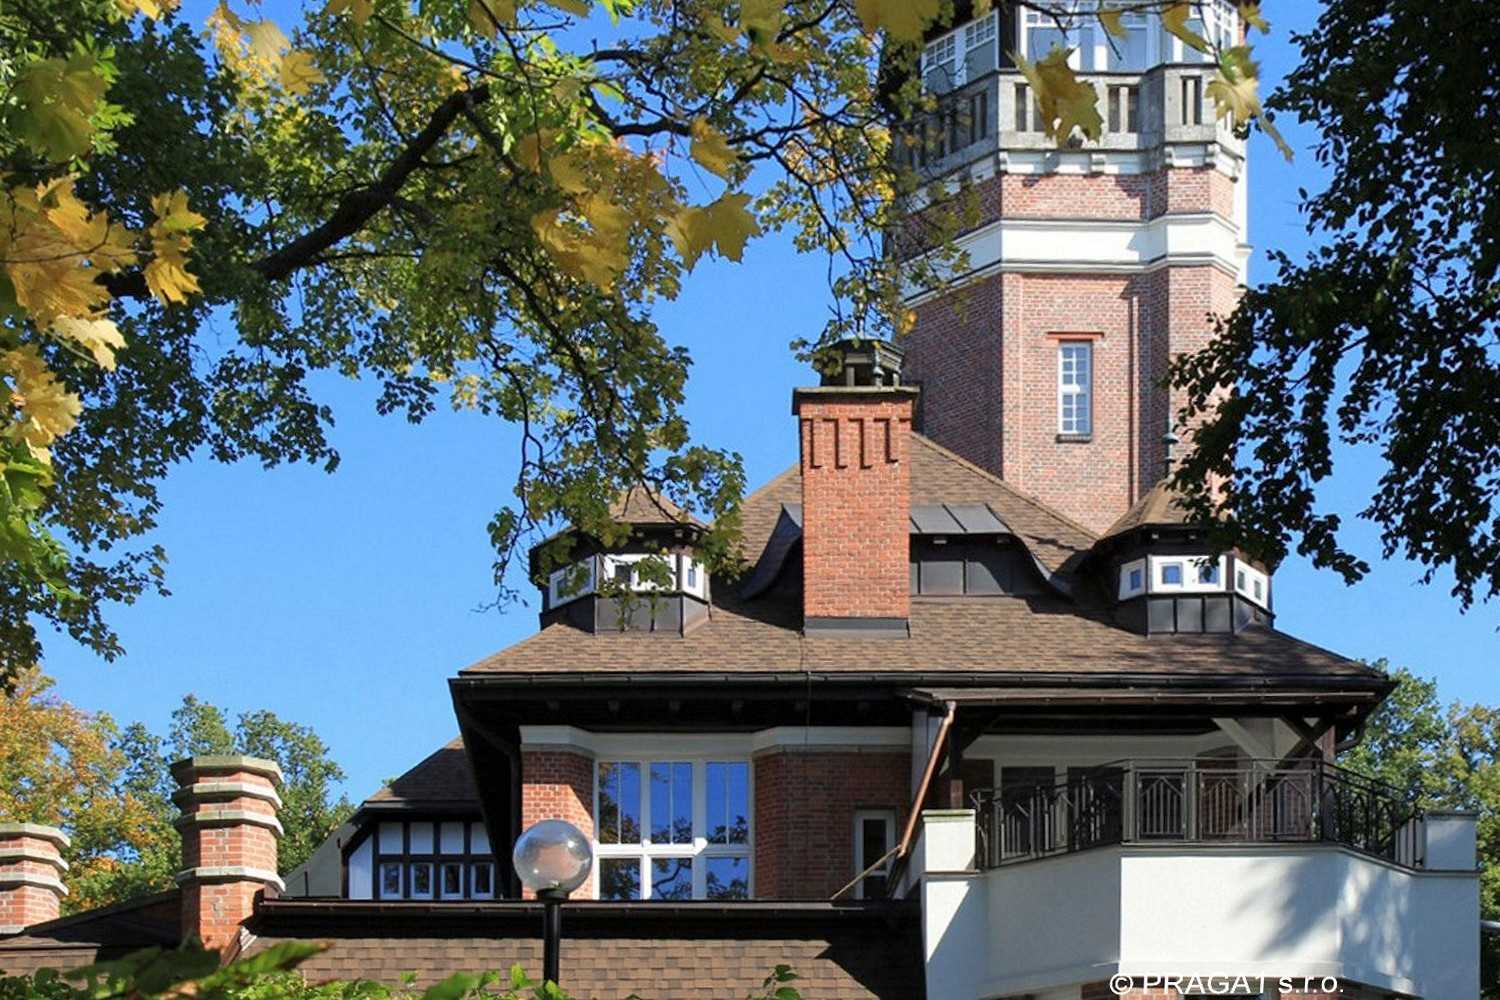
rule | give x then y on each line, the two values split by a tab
683	746
1084	246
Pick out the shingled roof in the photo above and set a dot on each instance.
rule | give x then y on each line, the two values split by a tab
1160	506
443	778
1011	635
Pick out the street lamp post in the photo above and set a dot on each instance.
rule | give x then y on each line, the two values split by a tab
552	858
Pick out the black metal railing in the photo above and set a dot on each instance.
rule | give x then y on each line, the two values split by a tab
1199	801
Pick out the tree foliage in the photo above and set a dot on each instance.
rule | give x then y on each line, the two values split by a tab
109	788
1384	337
474	203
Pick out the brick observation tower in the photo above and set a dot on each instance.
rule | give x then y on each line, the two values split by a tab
1090	266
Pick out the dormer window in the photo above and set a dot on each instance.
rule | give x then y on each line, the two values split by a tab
963	55
1208	572
1171	574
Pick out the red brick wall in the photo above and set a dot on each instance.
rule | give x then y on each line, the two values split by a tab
21	904
856	502
558	784
988	367
804	815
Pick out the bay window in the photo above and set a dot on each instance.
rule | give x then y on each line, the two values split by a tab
673	829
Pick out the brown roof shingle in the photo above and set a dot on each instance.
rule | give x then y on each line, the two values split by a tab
442	777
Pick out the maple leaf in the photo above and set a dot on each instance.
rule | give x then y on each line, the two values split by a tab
1174	18
1066	102
360	10
266	41
167	275
1235	90
487	17
579	8
1250	14
47	409
1112	18
55	99
100	337
712	150
904	20
298	73
567	170
723	225
761	20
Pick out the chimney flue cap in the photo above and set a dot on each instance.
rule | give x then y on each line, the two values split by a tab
860	363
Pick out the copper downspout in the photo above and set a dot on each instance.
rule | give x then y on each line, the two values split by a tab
901	850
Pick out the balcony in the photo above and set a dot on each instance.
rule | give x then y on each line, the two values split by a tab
1199	801
1151	112
1201	868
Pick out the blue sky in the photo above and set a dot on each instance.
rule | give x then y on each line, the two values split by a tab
344	601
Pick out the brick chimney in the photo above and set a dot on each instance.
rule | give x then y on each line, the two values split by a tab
31	869
856	495
229	832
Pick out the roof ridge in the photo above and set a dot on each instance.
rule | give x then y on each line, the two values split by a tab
1007	487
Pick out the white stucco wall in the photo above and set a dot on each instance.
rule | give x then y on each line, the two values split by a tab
1262	910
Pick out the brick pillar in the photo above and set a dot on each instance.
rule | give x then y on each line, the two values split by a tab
558	784
229	832
31	869
856	505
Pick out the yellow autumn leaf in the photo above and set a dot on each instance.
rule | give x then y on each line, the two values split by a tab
1235	91
567	170
1174	18
150	8
47	410
266	42
358	10
487	17
761	20
1066	102
528	149
100	337
173	214
1113	21
712	150
723	225
904	20
298	73
599	257
1250	14
167	275
578	7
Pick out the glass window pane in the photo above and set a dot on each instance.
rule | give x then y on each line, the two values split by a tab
728	803
872	841
421	880
620	878
672	878
453	879
390	880
728	878
672	803
619	803
1171	573
480	880
1041	40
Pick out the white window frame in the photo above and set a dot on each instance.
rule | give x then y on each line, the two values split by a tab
1074	389
555	595
1245	580
1190	582
699	848
1134	566
888	816
952	48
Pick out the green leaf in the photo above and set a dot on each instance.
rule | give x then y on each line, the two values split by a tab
456	986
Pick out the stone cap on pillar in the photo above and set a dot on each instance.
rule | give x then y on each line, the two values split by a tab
208	765
30	856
